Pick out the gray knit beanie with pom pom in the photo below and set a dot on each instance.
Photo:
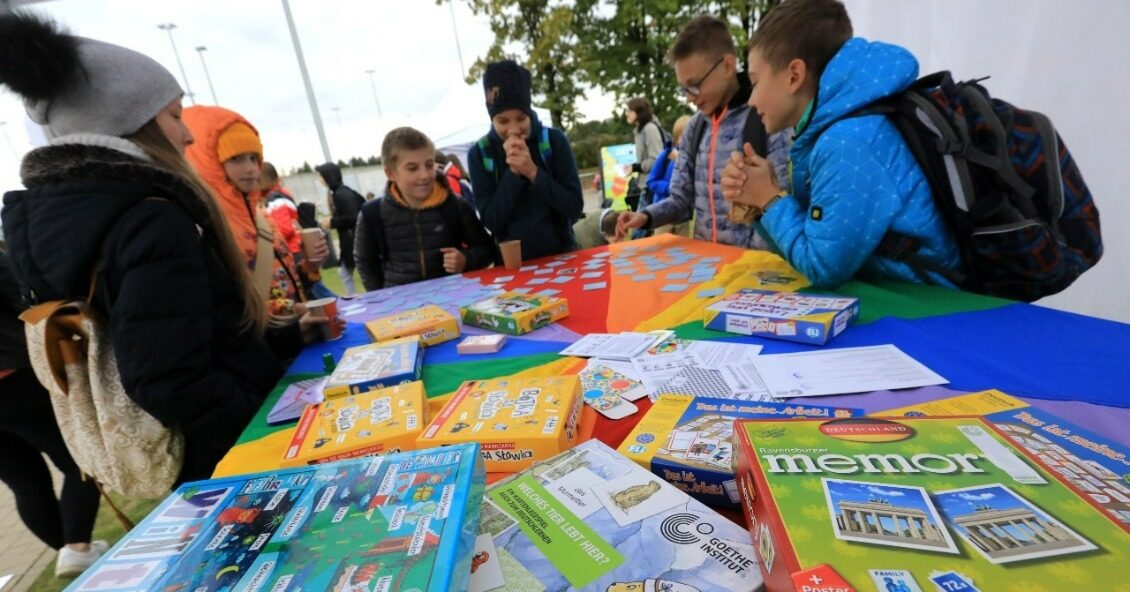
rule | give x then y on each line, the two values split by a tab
74	85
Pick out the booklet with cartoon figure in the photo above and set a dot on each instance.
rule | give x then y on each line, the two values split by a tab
591	520
944	503
398	522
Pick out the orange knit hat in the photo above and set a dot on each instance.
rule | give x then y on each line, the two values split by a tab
238	139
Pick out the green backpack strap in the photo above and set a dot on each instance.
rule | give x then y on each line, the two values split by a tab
484	151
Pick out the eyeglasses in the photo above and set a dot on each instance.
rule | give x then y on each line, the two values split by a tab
693	89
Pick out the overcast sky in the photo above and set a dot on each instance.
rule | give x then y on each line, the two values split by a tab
409	43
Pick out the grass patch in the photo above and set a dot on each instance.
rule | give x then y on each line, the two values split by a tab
107	528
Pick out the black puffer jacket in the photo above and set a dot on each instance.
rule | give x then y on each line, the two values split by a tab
414	238
172	309
13	344
347	204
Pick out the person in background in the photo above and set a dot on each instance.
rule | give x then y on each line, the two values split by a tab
111	197
419	230
281	207
659	180
345	206
650	142
283	211
523	173
28	431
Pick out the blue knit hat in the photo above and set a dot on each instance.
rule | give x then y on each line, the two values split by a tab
506	86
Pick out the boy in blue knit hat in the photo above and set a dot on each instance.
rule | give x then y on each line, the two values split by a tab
523	173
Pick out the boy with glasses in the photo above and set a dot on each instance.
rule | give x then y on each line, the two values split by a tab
706	65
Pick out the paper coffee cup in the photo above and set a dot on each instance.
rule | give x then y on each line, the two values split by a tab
312	238
326	307
511	253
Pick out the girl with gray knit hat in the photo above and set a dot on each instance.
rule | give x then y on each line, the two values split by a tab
113	209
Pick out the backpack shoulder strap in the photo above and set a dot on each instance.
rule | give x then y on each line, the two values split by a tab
544	146
754	134
692	146
484	153
264	257
449	210
371	213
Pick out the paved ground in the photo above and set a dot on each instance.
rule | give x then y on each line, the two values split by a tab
22	555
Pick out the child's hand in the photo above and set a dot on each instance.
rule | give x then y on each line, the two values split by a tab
734	179
748	179
454	261
761	183
518	158
629	221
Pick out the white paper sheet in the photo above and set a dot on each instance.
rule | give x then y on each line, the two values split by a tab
621	346
843	371
715	354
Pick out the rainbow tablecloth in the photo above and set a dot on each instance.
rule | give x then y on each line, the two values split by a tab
1072	365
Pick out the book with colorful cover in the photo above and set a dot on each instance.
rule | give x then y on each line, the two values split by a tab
517	421
397	522
514	313
432	323
377	365
792	316
591	520
377	422
946	503
1095	466
689	441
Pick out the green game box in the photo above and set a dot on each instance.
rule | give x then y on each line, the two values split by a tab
917	504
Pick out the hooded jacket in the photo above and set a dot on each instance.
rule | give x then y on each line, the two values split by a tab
283	210
541	214
171	308
414	237
854	179
206	124
347	205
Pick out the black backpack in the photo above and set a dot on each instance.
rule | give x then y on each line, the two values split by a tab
1005	184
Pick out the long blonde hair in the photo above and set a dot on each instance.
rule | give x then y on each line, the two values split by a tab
164	156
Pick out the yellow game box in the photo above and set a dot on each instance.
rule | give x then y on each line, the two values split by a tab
517	421
377	365
432	323
515	313
377	422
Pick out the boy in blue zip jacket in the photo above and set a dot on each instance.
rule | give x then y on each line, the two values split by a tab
523	174
853	179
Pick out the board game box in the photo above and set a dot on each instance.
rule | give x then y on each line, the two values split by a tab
517	421
806	318
593	521
1093	465
377	365
432	323
399	522
377	422
515	313
917	504
689	441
